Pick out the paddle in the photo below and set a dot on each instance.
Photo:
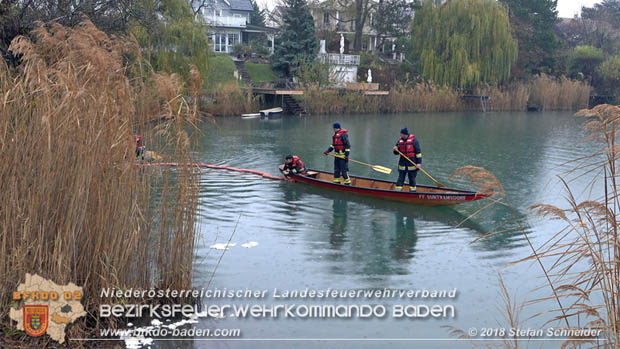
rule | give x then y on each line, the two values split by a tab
421	169
374	167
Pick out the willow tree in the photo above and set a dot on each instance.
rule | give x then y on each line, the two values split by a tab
463	43
177	41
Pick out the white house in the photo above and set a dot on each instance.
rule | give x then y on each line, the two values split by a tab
229	23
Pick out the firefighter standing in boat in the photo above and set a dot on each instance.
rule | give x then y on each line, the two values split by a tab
410	147
342	148
292	163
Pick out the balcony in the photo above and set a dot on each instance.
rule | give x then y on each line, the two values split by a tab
338	59
226	21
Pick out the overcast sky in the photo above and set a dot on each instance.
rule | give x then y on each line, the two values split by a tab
566	8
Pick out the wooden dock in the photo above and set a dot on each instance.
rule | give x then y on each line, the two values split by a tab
277	92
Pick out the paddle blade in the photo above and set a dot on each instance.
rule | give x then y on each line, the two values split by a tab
382	169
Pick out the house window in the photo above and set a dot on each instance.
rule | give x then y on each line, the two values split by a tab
233	39
325	18
220	42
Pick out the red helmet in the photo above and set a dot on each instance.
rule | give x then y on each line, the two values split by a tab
138	140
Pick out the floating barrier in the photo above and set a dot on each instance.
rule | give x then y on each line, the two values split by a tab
260	173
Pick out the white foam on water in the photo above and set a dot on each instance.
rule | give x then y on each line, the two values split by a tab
223	246
250	244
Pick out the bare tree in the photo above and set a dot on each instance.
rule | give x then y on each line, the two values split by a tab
357	10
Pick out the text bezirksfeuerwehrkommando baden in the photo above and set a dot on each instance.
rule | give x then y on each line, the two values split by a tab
305	293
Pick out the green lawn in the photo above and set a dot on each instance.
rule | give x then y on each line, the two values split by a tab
260	72
221	69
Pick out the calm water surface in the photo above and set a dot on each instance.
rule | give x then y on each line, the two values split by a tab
312	238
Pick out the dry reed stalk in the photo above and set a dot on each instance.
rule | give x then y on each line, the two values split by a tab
75	207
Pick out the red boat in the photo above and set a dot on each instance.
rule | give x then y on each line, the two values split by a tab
425	195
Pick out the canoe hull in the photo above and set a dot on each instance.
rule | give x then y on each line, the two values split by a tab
426	195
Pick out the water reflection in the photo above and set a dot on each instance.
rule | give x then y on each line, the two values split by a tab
338	225
403	245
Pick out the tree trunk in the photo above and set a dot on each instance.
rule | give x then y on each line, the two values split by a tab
361	11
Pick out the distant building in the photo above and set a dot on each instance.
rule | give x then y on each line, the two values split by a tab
229	23
328	17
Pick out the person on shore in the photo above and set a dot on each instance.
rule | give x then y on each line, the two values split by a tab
292	163
342	148
139	148
409	146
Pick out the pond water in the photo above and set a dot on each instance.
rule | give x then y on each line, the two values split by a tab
310	238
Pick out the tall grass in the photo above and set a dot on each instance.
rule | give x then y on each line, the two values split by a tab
401	98
75	207
559	94
512	97
551	94
229	99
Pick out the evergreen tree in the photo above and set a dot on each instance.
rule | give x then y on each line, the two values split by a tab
534	23
297	41
463	43
257	17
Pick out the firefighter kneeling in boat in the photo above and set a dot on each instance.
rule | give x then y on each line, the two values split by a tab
293	164
407	145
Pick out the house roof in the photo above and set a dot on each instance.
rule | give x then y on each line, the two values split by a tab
242	5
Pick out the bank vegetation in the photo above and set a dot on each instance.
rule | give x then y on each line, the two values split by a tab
543	91
76	207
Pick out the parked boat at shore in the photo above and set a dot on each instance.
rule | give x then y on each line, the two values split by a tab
271	114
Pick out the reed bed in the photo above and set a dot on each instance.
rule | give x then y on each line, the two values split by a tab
229	99
559	94
551	94
513	97
423	97
75	205
402	98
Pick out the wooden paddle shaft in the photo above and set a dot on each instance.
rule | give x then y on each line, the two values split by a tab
374	167
421	169
359	162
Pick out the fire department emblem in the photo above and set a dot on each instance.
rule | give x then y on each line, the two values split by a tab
36	318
